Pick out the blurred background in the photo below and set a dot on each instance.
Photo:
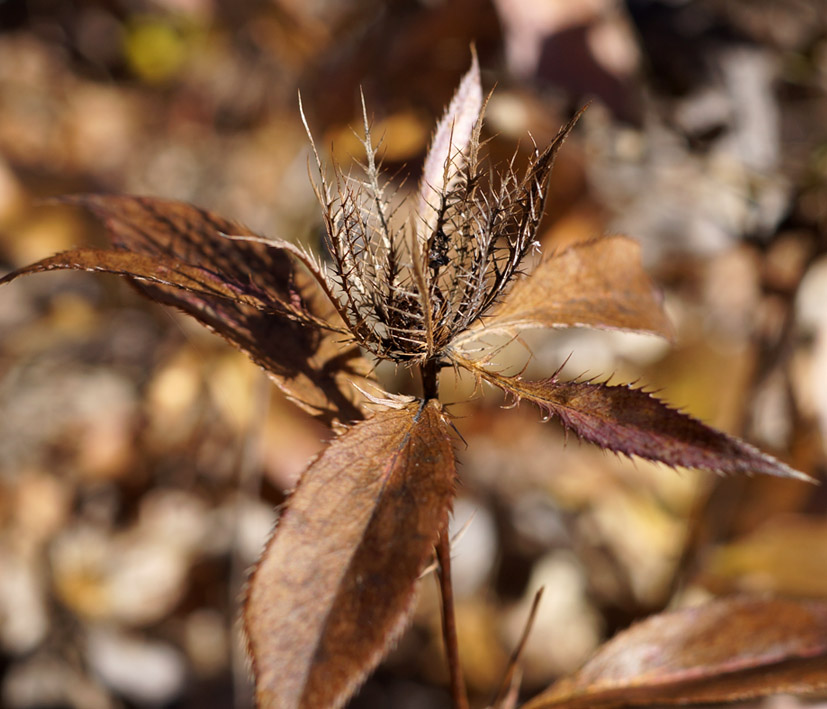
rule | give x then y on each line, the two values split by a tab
141	459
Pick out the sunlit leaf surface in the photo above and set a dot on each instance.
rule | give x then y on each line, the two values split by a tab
598	283
728	649
626	420
335	585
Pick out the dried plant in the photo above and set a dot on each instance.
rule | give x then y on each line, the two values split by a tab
408	288
335	585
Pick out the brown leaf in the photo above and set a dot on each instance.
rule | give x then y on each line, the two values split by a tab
728	649
336	583
626	420
248	292
160	270
451	138
598	283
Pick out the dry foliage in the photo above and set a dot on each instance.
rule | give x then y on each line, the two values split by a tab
335	585
725	650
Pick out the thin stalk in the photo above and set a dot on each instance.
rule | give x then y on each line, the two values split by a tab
429	372
449	623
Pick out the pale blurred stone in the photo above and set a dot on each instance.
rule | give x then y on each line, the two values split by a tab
475	550
41	505
507	113
811	373
731	291
74	408
644	537
125	578
101	122
176	518
527	25
105	414
593	352
811	297
12	197
771	418
539	521
145	671
288	442
105	449
206	642
254	523
482	656
44	681
566	629
172	400
231	383
24	619
175	386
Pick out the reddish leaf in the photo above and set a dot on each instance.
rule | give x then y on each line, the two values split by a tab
451	138
248	292
631	421
725	650
164	271
336	583
598	283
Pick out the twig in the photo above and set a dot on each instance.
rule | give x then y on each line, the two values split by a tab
449	624
510	681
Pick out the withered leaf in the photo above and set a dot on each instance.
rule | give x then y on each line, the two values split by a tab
727	649
599	283
451	138
160	270
336	583
249	292
631	421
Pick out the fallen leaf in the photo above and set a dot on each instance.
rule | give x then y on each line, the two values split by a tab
787	555
336	583
728	649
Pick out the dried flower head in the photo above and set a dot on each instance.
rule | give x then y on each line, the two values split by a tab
406	287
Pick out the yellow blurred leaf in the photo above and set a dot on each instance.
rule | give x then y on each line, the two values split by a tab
154	49
788	555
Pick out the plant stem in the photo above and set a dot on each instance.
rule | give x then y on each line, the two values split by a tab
449	623
429	372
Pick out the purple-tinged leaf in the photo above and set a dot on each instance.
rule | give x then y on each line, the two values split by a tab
626	420
336	583
161	270
249	292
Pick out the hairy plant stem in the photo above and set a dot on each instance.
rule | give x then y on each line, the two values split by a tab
449	623
429	372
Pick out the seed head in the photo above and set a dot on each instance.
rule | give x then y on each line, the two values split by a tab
407	286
